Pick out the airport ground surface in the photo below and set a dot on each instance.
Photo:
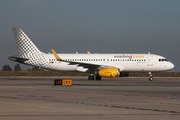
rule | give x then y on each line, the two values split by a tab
27	98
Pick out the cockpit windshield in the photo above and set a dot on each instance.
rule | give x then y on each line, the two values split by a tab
161	60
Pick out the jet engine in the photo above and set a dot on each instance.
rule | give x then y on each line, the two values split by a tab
111	73
108	72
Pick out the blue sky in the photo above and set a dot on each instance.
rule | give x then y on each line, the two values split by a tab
100	26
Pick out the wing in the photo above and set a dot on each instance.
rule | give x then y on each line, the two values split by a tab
84	65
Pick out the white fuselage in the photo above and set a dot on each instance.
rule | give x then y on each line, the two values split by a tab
125	62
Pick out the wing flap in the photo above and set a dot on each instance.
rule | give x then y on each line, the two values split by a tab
85	65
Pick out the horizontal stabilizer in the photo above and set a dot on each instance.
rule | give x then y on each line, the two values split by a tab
17	59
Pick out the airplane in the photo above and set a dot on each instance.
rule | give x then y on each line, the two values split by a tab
97	65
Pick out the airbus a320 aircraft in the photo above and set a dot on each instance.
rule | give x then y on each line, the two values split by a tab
98	65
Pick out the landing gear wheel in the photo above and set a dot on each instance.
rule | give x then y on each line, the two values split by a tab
90	77
150	78
98	77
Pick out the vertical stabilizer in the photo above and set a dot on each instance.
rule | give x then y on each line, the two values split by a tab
24	44
28	50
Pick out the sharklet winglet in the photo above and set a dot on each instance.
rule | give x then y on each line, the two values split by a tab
55	55
88	52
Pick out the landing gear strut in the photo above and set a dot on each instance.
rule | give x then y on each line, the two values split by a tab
150	76
91	77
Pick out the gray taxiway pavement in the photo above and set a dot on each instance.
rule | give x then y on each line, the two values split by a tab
120	98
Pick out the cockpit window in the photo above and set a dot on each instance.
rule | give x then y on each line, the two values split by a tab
161	60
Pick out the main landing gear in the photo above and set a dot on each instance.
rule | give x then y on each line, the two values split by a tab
150	76
91	77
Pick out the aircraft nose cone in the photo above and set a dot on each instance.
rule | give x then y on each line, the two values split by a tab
171	65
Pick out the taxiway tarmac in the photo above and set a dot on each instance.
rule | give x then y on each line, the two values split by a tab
120	98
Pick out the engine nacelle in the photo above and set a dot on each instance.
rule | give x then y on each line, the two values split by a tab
108	72
111	73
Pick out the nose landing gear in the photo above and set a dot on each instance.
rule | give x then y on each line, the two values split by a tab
150	76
